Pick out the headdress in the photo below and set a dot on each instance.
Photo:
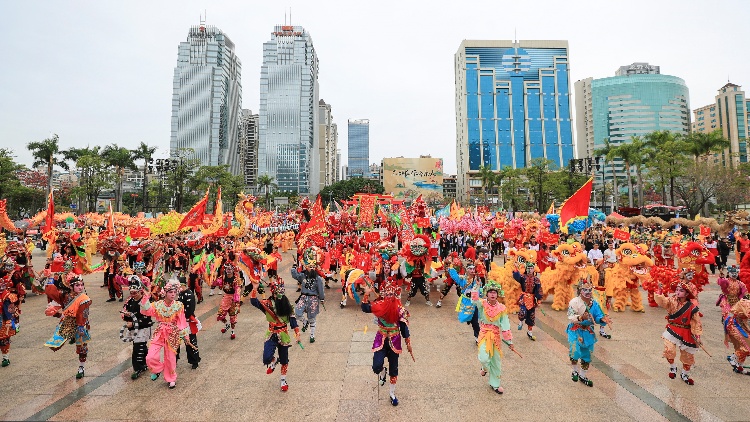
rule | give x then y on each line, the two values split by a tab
172	284
692	291
733	271
135	283
311	256
276	286
229	269
71	279
491	285
139	266
584	283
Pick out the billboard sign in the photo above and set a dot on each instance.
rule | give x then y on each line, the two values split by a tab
407	178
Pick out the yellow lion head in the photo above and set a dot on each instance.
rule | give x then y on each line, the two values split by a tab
523	259
634	257
571	255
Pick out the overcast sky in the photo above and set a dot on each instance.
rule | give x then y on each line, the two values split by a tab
100	72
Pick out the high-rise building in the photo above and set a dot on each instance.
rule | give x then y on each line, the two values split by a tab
619	108
512	106
730	114
358	147
339	176
206	98
288	146
329	138
249	148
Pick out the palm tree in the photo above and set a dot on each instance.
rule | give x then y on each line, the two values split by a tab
145	153
74	155
666	158
120	158
608	152
46	153
266	182
628	154
700	144
488	180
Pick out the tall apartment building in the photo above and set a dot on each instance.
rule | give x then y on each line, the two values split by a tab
512	105
329	138
619	108
358	147
339	175
729	113
248	148
289	144
206	98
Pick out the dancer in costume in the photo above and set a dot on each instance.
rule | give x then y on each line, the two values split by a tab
736	329
494	329
170	314
393	324
467	311
187	298
312	293
583	314
231	284
684	327
69	303
8	318
732	290
280	318
531	295
137	326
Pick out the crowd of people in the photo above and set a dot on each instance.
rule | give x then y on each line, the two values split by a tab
161	279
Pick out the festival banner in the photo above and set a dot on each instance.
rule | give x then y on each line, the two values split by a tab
549	238
194	217
705	231
49	220
371	237
510	233
139	232
366	210
621	235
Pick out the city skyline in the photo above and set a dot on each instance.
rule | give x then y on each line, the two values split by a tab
115	87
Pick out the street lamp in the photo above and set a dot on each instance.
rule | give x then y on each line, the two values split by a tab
133	196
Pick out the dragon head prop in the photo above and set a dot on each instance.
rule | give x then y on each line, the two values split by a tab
635	258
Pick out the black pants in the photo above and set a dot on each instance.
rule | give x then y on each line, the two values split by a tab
475	322
193	355
138	358
269	349
378	360
418	283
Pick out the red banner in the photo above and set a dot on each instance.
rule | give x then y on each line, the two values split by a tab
423	223
549	238
139	232
499	224
366	210
510	233
372	237
621	234
705	231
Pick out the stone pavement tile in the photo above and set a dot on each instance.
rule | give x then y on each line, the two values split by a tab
357	410
32	404
360	359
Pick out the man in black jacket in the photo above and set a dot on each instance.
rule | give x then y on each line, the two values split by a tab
188	301
137	326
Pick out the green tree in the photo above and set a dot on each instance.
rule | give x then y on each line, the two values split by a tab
488	178
537	174
216	176
666	159
145	153
94	178
121	159
701	145
511	187
178	178
631	155
345	189
47	153
266	182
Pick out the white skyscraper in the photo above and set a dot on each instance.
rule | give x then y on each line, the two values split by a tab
289	140
207	97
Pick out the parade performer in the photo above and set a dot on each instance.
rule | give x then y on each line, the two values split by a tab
570	267
467	311
393	325
231	284
732	290
452	261
494	329
280	317
631	269
517	261
197	267
8	317
170	314
531	294
416	255
137	327
312	293
736	329
694	257
71	305
583	314
683	329
187	298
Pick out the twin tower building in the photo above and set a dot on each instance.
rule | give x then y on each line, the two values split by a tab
282	140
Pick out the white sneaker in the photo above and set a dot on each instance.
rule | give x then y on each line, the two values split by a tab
408	302
428	303
211	293
439	304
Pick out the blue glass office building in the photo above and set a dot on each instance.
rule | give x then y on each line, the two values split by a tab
359	148
512	106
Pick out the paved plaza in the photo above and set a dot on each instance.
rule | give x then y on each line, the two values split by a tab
332	379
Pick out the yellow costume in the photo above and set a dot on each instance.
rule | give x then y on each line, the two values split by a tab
623	279
572	265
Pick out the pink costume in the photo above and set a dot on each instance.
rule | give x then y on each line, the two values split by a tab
172	326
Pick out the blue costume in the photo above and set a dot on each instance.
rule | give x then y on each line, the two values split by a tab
467	311
581	336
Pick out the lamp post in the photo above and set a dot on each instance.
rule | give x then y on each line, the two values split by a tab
587	166
133	196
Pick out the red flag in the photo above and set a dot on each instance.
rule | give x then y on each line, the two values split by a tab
49	220
705	231
315	227
621	235
194	217
578	203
